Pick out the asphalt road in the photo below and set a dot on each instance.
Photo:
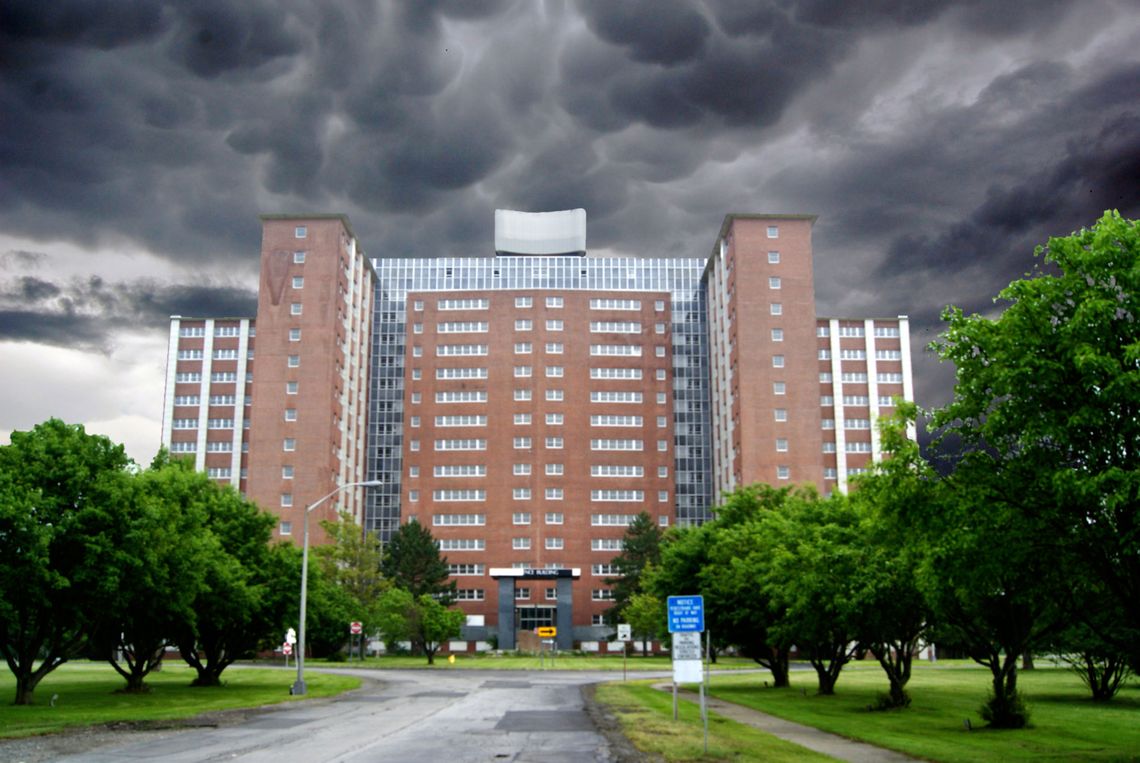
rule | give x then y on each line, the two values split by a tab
410	716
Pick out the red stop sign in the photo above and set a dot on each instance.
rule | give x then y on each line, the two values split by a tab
355	627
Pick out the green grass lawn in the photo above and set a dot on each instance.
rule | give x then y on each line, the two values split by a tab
646	717
88	695
1065	724
512	661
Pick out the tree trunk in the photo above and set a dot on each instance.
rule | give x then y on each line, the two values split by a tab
826	680
778	665
25	689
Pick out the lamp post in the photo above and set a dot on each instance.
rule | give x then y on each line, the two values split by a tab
298	686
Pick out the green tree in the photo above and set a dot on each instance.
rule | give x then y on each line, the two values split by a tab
61	499
641	546
1054	381
412	562
353	561
812	579
250	589
422	620
645	614
164	548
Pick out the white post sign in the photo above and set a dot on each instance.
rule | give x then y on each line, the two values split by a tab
687	666
624	632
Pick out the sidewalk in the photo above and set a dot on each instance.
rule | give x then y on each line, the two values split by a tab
838	747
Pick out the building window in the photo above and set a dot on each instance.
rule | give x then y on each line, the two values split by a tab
602	594
522	594
295	308
662	471
781	414
553	494
774	282
554	302
520	544
417	374
522	394
524	302
659	328
782	472
826	400
781	445
554	470
554	443
413	471
554	517
520	470
286	528
662	445
522	443
416	397
286	499
522	372
415	421
413	445
298	282
659	305
290	414
417	328
555	395
520	518
659	351
523	348
522	419
294	335
829	447
773	231
777	335
661	398
554	419
824	355
552	594
660	374
555	544
301	231
776	308
554	372
290	444
418	305
554	325
777	361
286	472
294	361
828	424
661	421
779	388
554	348
524	324
291	388
773	258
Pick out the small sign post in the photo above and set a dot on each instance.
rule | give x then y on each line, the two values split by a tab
287	649
624	635
687	623
547	634
355	628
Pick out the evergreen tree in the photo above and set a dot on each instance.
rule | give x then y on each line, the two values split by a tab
412	562
641	546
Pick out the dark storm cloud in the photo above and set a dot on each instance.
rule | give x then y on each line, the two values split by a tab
87	313
172	126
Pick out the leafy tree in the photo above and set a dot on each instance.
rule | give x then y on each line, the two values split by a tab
250	586
165	548
412	562
641	546
61	497
352	561
423	620
1055	381
893	615
645	614
740	557
331	608
812	579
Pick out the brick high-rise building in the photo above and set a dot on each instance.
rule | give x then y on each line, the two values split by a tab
527	405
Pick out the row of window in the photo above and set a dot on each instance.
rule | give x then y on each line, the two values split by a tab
860	377
857	400
219	331
193	377
861	354
554	395
859	331
524	518
551	470
467	372
218	354
552	302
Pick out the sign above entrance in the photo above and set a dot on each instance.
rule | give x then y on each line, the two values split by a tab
542	572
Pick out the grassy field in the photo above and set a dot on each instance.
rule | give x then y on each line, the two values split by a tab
510	661
646	717
88	695
1065	723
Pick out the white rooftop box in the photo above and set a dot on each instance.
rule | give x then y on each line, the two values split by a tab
540	233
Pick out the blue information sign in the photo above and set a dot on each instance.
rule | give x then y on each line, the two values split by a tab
686	614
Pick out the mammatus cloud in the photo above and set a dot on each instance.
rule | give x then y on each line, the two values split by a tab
938	142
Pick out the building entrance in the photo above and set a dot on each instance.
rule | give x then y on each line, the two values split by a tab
529	618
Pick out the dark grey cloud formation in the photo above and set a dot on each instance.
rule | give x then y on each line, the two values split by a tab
938	141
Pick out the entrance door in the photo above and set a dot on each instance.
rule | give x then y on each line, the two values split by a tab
537	616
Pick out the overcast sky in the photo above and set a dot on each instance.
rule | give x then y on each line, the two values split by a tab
937	141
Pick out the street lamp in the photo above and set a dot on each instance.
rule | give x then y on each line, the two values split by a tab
298	686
